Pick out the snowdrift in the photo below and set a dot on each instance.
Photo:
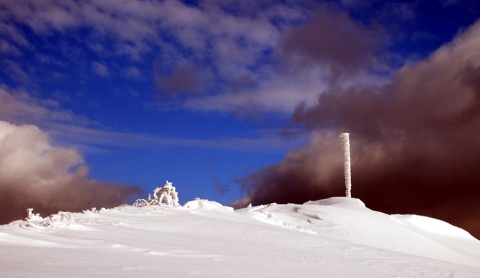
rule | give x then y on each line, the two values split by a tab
331	237
203	205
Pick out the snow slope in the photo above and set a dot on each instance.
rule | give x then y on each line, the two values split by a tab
327	238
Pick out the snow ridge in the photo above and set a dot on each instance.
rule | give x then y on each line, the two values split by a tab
204	238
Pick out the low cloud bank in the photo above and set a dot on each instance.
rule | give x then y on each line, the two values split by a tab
414	142
36	174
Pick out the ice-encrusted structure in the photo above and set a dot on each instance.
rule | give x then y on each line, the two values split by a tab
29	213
346	164
161	195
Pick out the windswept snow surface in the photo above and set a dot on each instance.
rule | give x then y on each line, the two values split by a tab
327	238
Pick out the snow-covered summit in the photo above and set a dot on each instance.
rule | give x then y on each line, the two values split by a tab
205	205
339	201
331	237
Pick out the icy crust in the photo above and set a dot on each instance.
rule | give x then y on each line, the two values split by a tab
339	202
348	219
206	205
286	216
432	226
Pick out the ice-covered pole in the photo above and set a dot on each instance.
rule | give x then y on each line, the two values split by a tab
29	213
346	163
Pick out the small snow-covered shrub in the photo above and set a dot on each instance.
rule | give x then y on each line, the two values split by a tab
161	195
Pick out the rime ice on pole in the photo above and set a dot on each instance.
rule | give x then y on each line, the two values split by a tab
29	213
346	163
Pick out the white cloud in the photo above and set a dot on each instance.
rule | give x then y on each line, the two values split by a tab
20	107
222	45
100	69
132	72
282	92
232	42
275	96
15	35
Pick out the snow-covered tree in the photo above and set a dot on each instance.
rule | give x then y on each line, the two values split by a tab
161	195
346	163
167	194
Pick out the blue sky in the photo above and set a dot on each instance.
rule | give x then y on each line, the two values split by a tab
202	93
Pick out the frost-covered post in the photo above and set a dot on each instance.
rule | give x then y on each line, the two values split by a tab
346	163
29	213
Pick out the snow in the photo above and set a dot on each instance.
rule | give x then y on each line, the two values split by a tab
332	237
204	205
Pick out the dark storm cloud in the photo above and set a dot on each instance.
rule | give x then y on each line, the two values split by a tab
35	174
414	142
331	38
301	176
